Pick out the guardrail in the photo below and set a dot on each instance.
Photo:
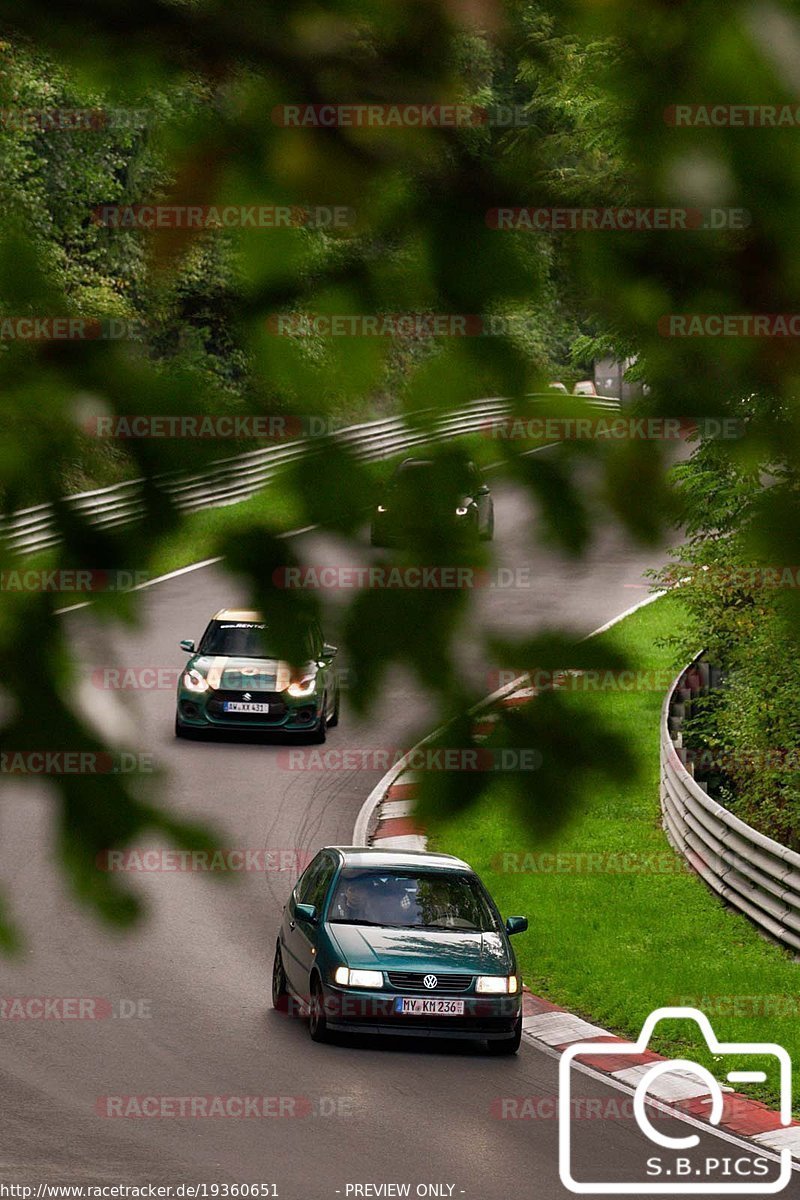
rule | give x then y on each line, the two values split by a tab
750	871
229	480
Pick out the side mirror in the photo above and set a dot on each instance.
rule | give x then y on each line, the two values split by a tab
188	645
483	490
329	652
306	912
516	925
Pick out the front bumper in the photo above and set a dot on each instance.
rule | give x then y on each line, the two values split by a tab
287	715
485	1017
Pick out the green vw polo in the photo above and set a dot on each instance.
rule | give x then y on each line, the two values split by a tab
233	682
398	942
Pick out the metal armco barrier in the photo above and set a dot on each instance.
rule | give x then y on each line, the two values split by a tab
229	480
751	872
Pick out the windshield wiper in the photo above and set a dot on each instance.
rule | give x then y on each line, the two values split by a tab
379	924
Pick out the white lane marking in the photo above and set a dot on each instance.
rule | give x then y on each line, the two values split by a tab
556	1028
391	809
628	613
667	1109
779	1139
198	566
409	841
675	1085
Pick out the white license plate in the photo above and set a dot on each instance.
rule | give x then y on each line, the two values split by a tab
414	1006
245	706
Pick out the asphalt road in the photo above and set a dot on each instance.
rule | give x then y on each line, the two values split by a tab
197	972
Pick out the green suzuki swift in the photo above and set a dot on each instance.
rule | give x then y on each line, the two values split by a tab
398	942
233	682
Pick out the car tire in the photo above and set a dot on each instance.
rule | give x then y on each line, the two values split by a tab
180	729
507	1045
488	533
320	732
334	721
280	995
317	1021
375	539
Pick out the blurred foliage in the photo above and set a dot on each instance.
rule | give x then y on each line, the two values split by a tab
594	82
743	610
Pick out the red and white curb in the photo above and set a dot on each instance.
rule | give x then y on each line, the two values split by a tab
387	820
680	1092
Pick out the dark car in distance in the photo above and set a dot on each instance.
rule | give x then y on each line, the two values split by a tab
424	493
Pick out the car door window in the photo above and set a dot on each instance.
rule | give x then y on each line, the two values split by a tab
306	881
320	884
314	883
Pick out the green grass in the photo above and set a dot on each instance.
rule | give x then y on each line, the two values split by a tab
613	947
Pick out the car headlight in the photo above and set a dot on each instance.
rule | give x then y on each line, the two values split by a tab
193	681
304	685
365	979
462	510
497	985
381	508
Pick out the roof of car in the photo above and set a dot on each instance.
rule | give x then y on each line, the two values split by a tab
374	856
236	614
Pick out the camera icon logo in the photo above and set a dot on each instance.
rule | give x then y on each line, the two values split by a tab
675	1172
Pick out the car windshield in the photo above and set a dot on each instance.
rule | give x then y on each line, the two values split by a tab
412	900
422	479
245	638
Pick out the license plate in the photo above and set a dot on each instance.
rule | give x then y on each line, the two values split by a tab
244	706
413	1006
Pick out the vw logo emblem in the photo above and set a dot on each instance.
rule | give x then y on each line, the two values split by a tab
430	981
247	696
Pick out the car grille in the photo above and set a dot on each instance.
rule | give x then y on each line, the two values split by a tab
277	706
413	981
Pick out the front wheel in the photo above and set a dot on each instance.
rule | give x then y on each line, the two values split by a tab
507	1045
317	1021
334	721
320	731
280	996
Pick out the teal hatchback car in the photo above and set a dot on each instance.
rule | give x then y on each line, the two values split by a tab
398	942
